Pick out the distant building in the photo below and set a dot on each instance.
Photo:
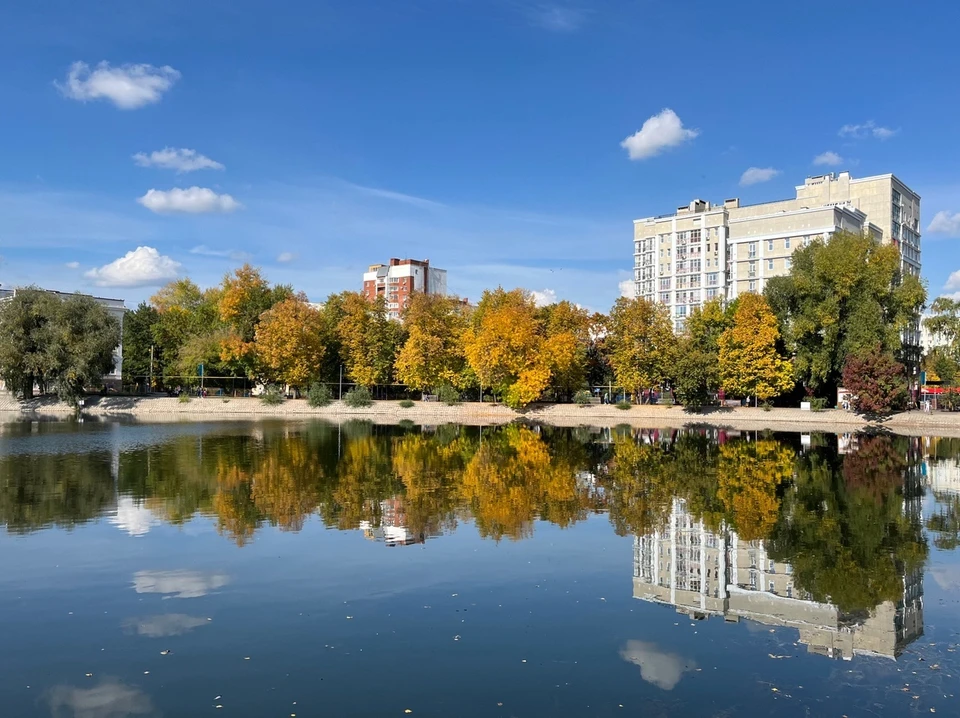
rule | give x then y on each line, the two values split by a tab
704	251
396	281
702	573
114	307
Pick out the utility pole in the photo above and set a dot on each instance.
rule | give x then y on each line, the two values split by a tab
150	387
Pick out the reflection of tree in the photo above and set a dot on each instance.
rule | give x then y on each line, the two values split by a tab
39	490
850	543
285	481
237	514
639	486
749	474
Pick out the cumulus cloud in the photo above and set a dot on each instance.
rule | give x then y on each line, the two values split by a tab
163	625
947	577
662	669
756	175
193	200
953	282
133	517
285	257
181	160
831	159
544	298
234	254
179	584
658	133
628	289
557	18
110	699
945	223
143	267
127	86
867	129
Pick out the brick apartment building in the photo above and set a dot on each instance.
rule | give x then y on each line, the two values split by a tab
397	280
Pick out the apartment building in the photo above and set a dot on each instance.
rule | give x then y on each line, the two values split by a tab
704	251
399	279
702	573
114	307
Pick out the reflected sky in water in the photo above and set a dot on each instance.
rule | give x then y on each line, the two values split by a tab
356	570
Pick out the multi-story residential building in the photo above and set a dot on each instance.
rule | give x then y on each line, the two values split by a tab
704	573
704	250
116	309
401	278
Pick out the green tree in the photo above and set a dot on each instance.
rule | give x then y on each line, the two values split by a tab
843	296
82	346
184	313
641	344
749	362
138	341
696	375
25	337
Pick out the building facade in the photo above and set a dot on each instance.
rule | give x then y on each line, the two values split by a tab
114	307
704	251
401	278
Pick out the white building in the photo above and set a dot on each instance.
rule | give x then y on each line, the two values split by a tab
114	307
704	250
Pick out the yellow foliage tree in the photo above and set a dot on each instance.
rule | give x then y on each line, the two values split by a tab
290	342
367	339
641	344
749	362
433	354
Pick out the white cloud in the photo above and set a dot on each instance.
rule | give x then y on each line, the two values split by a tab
110	699
947	577
234	254
662	669
558	18
181	160
628	289
867	129
285	257
73	265
657	134
127	86
164	624
544	298
831	159
179	584
143	267
193	200
133	517
945	223
756	175
953	282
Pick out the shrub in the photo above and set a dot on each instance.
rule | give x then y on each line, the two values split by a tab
877	381
184	398
582	398
358	398
623	405
406	404
818	403
406	424
272	396
766	406
448	395
319	395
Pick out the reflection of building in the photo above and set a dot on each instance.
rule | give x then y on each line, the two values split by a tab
703	573
396	281
392	527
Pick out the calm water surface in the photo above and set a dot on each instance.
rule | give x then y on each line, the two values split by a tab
310	569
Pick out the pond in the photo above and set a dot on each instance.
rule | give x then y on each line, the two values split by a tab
312	569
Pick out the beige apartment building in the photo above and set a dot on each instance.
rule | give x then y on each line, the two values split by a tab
704	251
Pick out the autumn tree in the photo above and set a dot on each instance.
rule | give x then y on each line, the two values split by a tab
641	344
290	342
432	354
185	313
568	329
696	374
750	364
368	339
877	381
843	296
505	346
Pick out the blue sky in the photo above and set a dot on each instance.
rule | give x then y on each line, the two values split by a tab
485	135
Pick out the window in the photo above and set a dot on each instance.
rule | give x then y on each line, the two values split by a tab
896	230
681	311
752	269
896	197
713	277
770	264
712	293
695	235
786	263
695	265
769	245
786	243
773	588
752	250
664	297
753	285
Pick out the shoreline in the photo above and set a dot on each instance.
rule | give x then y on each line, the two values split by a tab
147	409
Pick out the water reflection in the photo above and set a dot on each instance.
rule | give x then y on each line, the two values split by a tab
178	584
109	699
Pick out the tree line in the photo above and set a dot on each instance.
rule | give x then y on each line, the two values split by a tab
837	318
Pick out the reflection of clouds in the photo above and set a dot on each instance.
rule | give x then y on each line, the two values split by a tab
947	577
133	517
110	699
658	667
164	624
181	584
